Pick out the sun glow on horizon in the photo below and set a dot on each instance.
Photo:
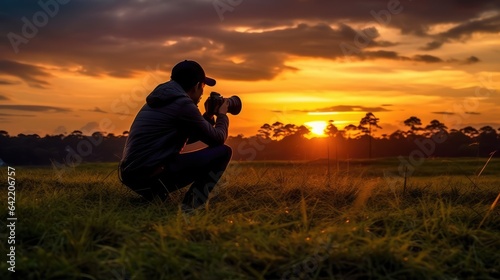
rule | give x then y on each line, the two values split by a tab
317	127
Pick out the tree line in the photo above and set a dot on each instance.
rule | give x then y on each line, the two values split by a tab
276	141
287	141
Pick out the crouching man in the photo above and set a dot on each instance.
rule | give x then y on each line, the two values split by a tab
152	164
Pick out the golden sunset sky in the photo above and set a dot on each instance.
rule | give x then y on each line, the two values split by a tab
88	65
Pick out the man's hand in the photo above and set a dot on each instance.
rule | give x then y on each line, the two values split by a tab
223	107
206	107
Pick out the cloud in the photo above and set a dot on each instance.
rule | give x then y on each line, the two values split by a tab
464	31
340	108
426	58
15	115
443	113
432	45
381	54
395	56
472	60
122	38
8	82
97	110
351	108
31	74
35	108
3	97
473	113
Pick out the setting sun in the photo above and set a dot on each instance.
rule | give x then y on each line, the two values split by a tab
317	127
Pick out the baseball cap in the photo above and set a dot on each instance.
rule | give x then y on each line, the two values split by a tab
188	72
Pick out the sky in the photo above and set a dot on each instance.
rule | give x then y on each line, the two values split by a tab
88	65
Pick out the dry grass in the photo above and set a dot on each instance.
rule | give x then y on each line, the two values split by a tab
267	221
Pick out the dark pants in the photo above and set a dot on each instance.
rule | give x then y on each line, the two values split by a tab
202	168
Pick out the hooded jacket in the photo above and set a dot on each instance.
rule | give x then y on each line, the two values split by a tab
163	126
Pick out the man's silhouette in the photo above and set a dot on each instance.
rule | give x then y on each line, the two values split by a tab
152	164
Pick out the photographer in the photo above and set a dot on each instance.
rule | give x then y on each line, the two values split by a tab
152	164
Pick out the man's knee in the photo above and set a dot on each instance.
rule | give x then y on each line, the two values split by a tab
228	152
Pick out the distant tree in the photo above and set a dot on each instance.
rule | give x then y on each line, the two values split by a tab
302	130
487	130
341	133
370	120
487	140
470	132
397	135
350	128
289	129
278	130
435	127
98	137
77	133
4	133
265	131
412	122
331	130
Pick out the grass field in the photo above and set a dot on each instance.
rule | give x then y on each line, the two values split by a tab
267	220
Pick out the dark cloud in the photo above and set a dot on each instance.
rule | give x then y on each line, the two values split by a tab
34	108
472	60
386	105
432	45
31	74
382	54
7	82
15	115
122	38
351	108
426	58
443	113
341	108
465	30
3	97
473	113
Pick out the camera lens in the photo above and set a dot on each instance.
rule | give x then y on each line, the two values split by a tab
234	106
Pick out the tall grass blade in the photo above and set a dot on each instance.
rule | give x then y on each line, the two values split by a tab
491	155
490	210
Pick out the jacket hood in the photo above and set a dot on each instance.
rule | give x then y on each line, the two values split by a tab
165	94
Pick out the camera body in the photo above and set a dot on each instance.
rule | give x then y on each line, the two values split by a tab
215	100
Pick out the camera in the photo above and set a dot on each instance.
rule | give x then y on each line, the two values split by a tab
215	100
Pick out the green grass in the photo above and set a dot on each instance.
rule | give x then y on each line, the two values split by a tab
268	220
